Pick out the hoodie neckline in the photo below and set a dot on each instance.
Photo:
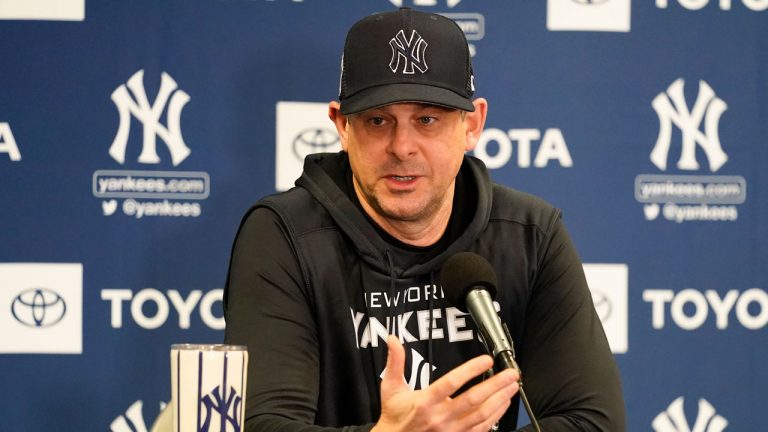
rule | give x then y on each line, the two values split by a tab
320	179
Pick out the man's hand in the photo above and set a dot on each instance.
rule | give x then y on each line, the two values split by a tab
433	409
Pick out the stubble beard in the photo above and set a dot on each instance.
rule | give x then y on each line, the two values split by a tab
397	213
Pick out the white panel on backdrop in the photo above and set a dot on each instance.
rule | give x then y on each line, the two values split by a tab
303	128
589	15
53	10
609	286
41	308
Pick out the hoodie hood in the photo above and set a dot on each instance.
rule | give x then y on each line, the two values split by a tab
320	178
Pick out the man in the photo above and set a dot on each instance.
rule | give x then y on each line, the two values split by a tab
321	274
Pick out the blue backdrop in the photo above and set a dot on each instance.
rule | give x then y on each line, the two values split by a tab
134	134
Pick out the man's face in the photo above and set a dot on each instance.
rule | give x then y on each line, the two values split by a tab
405	158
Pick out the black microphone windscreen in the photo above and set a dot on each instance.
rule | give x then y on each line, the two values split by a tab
463	272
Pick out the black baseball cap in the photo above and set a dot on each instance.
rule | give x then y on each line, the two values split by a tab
405	56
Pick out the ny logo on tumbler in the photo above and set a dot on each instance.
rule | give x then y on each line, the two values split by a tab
222	405
671	108
410	50
207	387
137	104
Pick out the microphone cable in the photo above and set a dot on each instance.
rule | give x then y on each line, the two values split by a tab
506	360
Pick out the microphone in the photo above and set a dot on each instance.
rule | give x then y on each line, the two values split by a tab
469	282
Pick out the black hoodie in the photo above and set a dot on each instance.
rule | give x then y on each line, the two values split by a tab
314	289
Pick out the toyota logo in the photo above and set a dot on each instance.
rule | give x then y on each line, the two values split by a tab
38	307
603	305
315	140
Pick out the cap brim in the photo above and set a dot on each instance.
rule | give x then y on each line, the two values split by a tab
393	93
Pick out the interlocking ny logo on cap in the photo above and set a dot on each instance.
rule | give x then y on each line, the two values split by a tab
410	50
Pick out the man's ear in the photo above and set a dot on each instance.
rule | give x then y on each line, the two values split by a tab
475	121
340	121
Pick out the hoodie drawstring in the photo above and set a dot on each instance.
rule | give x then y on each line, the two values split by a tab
393	323
431	320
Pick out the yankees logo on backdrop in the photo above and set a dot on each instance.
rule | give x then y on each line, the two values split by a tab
169	96
672	109
673	419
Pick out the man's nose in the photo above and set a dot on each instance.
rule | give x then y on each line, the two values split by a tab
403	143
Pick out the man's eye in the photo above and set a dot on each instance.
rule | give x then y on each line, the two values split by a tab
376	121
426	120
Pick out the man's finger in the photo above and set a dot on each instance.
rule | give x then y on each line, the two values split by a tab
488	400
393	379
500	386
487	423
449	383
